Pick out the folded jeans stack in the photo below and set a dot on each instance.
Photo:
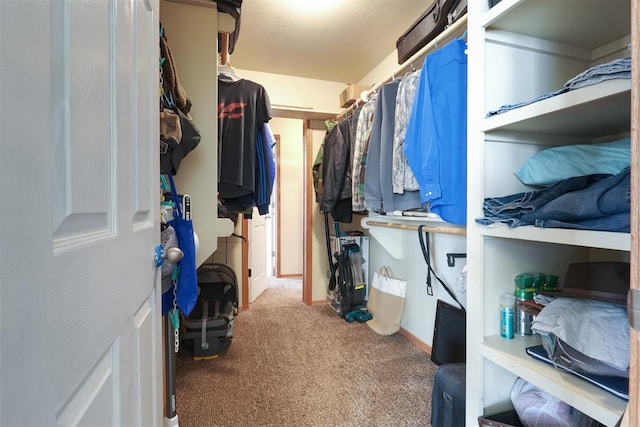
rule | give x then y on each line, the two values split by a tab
616	69
592	202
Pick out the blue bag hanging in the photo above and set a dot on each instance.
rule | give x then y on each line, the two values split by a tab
187	287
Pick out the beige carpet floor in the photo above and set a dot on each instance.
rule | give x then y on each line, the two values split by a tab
295	365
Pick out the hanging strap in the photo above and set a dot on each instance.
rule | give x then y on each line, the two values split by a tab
203	331
332	266
427	257
177	211
385	271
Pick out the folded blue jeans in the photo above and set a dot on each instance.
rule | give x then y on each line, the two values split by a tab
604	205
594	202
616	69
510	209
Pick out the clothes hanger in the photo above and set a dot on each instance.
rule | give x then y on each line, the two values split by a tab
225	71
228	73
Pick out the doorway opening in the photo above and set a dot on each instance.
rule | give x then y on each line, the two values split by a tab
275	253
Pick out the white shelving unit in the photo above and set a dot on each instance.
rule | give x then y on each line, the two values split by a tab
518	50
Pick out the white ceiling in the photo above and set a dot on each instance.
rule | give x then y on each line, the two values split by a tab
340	42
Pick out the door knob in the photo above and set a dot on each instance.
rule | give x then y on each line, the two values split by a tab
172	254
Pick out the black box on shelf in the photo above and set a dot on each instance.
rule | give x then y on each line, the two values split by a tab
503	419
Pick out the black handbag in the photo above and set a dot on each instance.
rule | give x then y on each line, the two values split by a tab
178	137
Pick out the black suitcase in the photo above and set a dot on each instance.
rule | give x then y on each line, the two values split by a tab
457	11
426	28
448	397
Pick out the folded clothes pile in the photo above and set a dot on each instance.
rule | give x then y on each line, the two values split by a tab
586	335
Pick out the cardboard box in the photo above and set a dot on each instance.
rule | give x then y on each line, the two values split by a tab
350	94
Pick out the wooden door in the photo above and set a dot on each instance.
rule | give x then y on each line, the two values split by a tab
80	323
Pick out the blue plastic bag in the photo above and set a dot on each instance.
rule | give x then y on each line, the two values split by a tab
187	287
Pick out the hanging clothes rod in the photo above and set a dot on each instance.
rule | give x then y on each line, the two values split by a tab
224	49
449	33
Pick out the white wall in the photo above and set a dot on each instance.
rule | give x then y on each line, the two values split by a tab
320	259
298	92
191	32
290	195
420	308
383	70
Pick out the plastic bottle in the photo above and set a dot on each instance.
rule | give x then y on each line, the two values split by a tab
507	315
524	293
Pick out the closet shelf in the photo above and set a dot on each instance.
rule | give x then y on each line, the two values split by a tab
410	224
302	113
598	110
585	238
527	18
225	227
200	3
226	23
521	48
593	401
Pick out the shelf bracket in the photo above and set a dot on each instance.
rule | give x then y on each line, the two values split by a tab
633	308
451	258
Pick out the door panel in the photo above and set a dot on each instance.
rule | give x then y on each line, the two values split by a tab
258	251
99	385
80	309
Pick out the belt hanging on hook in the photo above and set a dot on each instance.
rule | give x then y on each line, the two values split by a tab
424	245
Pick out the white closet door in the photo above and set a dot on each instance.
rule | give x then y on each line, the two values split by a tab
80	331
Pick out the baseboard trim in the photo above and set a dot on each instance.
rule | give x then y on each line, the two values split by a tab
415	340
